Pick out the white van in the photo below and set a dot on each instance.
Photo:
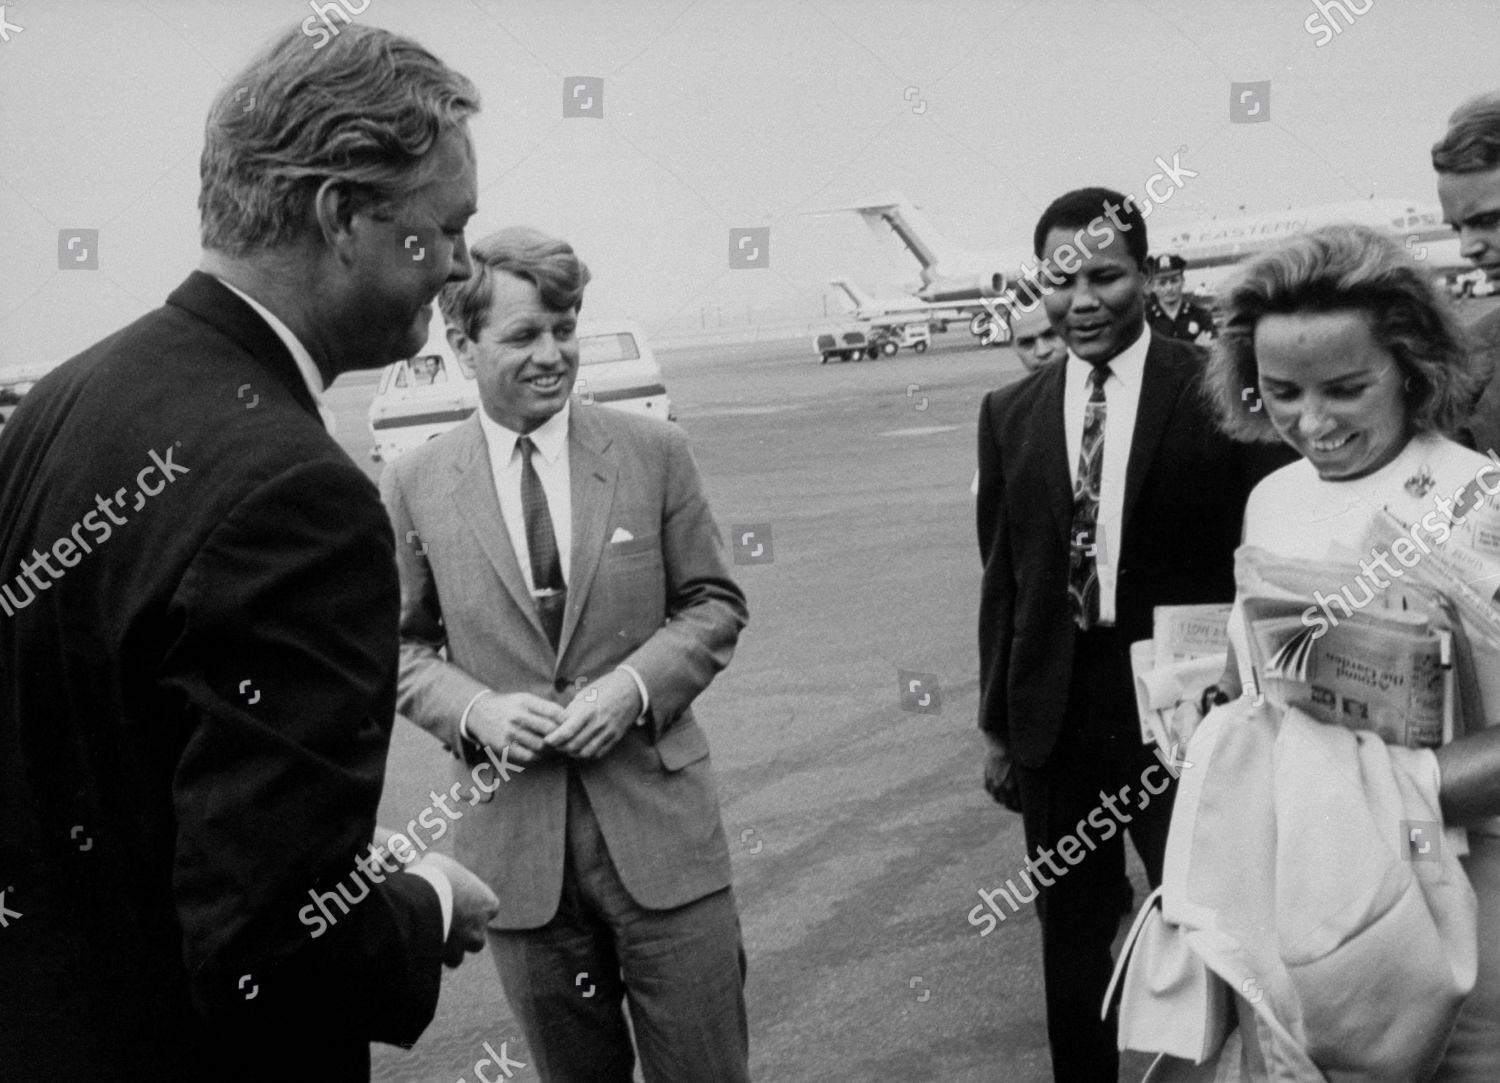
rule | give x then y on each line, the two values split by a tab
15	382
426	395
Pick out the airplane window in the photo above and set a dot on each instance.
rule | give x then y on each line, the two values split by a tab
401	374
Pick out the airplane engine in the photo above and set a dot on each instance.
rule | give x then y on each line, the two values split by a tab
965	287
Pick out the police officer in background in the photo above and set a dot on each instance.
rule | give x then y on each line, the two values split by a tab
1169	313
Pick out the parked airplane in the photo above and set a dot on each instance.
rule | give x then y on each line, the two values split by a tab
950	274
889	312
1211	248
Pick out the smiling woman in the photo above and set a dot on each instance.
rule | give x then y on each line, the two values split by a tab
1332	392
1357	363
1359	294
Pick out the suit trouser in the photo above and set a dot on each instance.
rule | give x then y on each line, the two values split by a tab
1099	783
1474	1049
682	971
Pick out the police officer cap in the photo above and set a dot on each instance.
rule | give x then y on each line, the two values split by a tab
1167	263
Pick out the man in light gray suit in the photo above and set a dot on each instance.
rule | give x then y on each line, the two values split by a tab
563	558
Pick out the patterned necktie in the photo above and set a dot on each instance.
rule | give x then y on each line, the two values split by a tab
1083	568
549	591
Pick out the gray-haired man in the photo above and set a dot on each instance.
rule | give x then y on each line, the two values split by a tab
198	664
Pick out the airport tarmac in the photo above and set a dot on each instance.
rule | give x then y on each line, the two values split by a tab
859	830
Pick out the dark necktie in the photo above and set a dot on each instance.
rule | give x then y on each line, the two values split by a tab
1083	567
549	591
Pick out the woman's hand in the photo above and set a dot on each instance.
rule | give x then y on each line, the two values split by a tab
1184	722
1188	714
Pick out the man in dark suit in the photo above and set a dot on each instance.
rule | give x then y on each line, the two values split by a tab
1105	489
564	558
198	646
1467	160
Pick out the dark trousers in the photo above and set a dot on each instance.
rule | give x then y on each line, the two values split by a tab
682	970
1096	787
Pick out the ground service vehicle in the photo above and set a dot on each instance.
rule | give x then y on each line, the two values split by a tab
914	336
851	344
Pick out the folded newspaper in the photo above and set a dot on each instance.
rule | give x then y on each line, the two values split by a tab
1184	655
1370	672
1384	660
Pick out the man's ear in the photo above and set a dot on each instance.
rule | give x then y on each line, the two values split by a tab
463	350
333	207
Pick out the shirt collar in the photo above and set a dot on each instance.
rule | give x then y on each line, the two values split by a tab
549	438
1127	365
310	374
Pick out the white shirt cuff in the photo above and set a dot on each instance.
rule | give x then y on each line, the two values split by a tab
641	687
463	719
440	884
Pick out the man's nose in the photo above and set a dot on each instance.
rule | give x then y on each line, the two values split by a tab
463	267
1470	243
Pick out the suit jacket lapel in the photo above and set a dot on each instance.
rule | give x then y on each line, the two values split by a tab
474	494
1161	385
593	475
1053	447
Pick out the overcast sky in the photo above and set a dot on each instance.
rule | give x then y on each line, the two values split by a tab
720	114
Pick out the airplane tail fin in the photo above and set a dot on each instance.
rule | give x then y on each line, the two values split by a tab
857	298
894	215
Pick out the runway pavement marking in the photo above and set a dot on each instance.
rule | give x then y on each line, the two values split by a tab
745	411
922	430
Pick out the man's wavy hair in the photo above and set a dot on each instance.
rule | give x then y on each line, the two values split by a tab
1343	268
546	262
1472	142
366	109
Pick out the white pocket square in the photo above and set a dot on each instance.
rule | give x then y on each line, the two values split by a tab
621	535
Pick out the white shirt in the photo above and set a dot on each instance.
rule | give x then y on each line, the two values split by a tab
314	379
299	352
1122	396
550	459
1294	513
